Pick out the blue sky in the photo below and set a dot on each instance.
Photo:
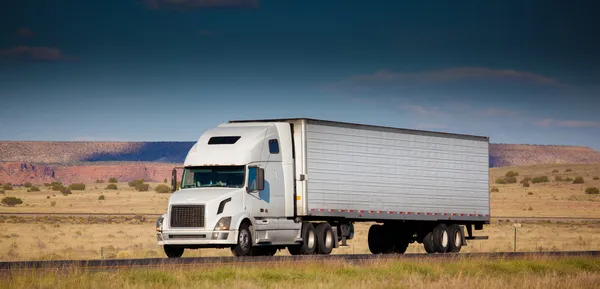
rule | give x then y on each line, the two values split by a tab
142	70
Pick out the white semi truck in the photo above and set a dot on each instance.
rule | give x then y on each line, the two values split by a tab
257	186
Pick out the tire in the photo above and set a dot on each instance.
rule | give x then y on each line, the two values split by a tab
173	252
309	241
455	236
375	239
325	238
428	243
244	243
440	239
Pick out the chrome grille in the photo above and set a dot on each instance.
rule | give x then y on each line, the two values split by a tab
187	216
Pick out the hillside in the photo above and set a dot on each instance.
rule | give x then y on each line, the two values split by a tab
502	155
69	152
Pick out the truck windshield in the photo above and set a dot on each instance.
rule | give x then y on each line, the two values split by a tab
215	176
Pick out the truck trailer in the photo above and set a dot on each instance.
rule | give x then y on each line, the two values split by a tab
259	186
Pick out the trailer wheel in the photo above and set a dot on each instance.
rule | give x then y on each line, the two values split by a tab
244	243
173	252
309	241
324	238
428	242
375	239
401	245
441	239
455	242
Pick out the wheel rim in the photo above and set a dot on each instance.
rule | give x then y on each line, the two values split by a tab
457	239
243	239
444	238
328	239
310	242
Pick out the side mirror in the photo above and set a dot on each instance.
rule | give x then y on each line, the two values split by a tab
174	180
256	179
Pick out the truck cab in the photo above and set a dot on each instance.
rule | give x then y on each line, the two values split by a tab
237	191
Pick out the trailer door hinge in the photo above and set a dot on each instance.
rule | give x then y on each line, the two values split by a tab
302	177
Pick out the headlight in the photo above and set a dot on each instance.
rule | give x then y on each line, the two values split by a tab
223	224
159	223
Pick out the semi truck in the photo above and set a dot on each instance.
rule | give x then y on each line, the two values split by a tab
259	186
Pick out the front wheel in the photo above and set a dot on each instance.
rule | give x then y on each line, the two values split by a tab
173	252
244	243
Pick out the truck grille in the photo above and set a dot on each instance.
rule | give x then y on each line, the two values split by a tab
187	216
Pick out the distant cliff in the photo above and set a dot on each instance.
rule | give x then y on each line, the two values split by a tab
69	152
502	155
88	161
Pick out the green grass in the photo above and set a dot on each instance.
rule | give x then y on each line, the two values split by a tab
423	273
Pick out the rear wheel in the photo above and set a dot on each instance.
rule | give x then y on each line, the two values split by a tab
324	238
244	243
428	242
401	245
309	241
456	236
173	252
375	239
441	238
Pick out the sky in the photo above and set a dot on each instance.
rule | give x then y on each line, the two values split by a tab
525	72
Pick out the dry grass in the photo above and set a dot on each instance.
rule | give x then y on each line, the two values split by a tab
465	273
551	199
86	238
124	200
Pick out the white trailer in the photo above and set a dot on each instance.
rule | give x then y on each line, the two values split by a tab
257	186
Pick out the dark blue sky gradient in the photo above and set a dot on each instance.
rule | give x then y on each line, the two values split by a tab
517	71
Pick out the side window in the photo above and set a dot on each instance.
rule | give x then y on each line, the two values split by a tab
273	146
252	179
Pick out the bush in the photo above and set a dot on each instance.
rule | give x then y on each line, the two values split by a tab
530	208
27	185
592	191
568	170
101	198
510	180
596	178
494	190
53	203
578	180
541	179
568	179
136	182
113	180
99	181
55	184
530	193
111	187
1	192
7	187
555	171
558	178
11	201
526	184
142	187
162	189
65	191
165	181
527	179
77	187
34	189
47	185
501	181
511	174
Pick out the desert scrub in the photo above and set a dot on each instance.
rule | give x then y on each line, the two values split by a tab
592	191
578	180
77	187
27	185
113	180
494	190
540	179
99	181
101	198
11	201
33	189
142	187
596	178
65	191
136	182
162	189
501	181
568	170
7	187
111	187
510	174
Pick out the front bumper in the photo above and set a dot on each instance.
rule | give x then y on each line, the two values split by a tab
195	238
